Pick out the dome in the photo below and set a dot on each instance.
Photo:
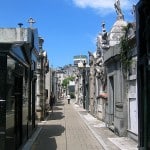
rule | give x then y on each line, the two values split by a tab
116	32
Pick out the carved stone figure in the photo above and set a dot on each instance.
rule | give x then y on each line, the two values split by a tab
104	38
118	9
91	57
104	34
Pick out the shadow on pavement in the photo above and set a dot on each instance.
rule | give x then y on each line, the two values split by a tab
46	139
59	103
57	108
55	116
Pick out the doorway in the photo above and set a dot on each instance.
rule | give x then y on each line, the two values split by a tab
111	96
18	110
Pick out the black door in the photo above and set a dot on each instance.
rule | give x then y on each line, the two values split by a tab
18	111
33	104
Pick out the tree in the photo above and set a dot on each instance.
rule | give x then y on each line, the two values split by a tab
66	81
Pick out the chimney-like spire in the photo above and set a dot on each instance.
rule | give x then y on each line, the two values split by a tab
20	24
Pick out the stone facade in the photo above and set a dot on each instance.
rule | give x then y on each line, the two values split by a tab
112	89
19	54
20	57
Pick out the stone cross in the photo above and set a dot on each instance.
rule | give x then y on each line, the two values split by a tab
31	21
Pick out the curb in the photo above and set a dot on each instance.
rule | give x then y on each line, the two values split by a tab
31	140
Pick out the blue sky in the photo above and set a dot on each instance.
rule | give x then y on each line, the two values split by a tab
69	27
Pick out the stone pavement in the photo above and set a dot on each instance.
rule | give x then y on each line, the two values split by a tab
106	137
70	127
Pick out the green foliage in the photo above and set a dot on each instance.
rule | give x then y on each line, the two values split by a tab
125	49
66	81
124	53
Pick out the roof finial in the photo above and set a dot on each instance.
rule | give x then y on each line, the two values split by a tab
31	21
20	24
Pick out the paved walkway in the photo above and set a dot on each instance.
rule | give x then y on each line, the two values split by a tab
65	130
107	138
70	127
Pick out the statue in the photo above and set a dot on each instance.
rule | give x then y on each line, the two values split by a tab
104	34
118	9
91	58
103	38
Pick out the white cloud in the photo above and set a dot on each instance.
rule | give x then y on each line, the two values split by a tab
94	3
102	6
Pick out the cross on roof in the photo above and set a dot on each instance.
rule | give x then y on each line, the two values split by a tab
31	21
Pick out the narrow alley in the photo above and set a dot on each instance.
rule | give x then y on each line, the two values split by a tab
87	59
71	128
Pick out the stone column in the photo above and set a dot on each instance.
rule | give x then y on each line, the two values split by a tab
91	82
77	89
38	94
40	103
92	90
